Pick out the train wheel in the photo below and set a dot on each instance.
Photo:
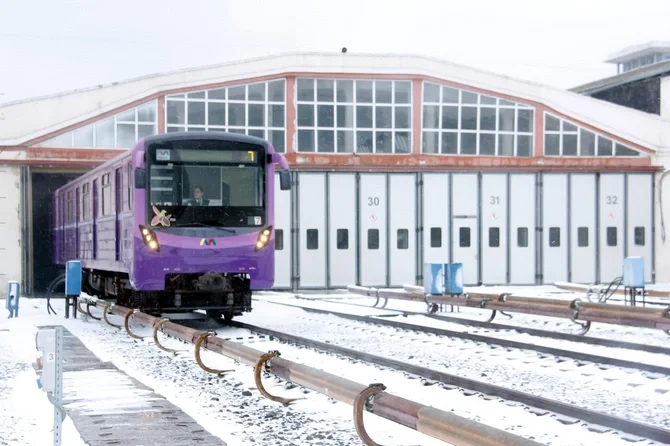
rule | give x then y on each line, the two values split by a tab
215	314
228	316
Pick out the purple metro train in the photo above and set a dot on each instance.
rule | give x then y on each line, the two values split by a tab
183	221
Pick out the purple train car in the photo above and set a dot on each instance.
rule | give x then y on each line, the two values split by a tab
183	221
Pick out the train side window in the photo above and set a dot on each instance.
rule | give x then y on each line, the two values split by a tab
554	237
342	239
86	201
435	237
582	236
373	238
312	239
106	195
522	237
69	209
494	237
130	186
279	239
639	236
611	236
403	239
464	237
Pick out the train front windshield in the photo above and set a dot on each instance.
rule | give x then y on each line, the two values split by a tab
215	183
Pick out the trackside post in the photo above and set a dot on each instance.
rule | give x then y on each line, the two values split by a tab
49	342
13	295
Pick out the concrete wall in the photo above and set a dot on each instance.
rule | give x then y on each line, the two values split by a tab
10	226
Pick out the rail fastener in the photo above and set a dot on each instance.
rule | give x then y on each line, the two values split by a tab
372	398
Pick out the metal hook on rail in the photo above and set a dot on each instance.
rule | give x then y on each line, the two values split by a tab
574	305
503	298
198	344
79	307
105	310
264	361
88	310
159	325
376	295
361	400
125	324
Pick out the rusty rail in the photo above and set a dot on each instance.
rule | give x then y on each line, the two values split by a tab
428	420
578	311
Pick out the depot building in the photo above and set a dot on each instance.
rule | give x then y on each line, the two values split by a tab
397	161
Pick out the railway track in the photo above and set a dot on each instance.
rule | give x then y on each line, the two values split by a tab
625	395
492	326
508	343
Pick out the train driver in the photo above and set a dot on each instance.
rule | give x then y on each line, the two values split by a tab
198	197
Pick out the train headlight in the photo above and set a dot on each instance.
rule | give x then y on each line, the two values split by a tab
149	238
263	238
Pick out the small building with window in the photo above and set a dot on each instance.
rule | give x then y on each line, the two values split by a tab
397	160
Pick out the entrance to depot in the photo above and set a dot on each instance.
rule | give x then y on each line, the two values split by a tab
43	183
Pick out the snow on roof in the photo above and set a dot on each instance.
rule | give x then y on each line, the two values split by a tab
28	119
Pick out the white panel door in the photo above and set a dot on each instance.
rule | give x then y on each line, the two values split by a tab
494	228
312	229
554	228
640	218
583	228
373	229
436	225
402	216
342	229
611	226
522	230
282	234
464	223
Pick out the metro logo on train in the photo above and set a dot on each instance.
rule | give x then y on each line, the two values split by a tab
208	242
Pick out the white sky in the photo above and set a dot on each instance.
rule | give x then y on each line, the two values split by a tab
47	46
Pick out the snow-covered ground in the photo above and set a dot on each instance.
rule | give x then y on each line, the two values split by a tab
232	408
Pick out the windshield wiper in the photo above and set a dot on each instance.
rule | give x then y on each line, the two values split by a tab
204	225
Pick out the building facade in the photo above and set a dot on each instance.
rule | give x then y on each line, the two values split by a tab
397	160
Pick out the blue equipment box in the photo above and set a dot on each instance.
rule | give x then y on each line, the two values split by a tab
73	278
443	278
13	295
633	272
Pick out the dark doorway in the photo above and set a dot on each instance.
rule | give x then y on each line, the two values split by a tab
43	187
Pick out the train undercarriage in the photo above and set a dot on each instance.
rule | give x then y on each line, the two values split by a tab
222	295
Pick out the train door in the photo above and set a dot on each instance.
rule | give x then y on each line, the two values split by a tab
282	230
118	210
494	228
582	228
611	208
522	208
436	225
342	237
465	215
373	224
402	224
312	229
640	211
554	228
94	217
76	223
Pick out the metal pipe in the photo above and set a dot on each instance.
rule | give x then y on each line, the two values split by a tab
658	318
436	423
594	288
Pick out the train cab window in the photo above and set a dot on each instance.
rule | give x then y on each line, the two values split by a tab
522	237
279	239
373	238
494	237
403	239
464	237
435	237
638	235
312	239
582	236
554	237
611	236
342	239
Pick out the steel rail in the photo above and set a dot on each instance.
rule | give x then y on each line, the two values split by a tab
586	415
603	342
428	420
597	359
575	310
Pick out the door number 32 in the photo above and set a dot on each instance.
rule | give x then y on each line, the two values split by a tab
611	199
